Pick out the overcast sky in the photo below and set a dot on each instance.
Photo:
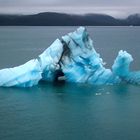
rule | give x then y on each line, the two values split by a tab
117	8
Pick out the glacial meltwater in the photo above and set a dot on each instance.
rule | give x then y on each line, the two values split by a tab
69	111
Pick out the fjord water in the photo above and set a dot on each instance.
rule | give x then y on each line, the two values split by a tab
69	111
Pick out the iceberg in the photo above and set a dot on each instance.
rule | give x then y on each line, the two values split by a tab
74	59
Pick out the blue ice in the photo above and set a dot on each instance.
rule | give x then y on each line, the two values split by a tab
74	55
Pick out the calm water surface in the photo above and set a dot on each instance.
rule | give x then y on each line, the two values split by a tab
70	111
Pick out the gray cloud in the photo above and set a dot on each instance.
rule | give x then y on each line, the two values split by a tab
118	8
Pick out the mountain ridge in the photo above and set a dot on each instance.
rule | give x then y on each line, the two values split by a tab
63	19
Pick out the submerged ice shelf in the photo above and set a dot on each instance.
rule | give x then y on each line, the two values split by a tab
73	57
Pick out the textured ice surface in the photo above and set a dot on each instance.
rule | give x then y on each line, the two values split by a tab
74	55
121	64
25	75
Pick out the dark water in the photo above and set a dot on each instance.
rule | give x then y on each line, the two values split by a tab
70	111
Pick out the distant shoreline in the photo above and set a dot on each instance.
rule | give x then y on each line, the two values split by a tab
62	19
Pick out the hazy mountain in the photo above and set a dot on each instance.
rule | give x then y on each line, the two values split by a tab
60	19
134	19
